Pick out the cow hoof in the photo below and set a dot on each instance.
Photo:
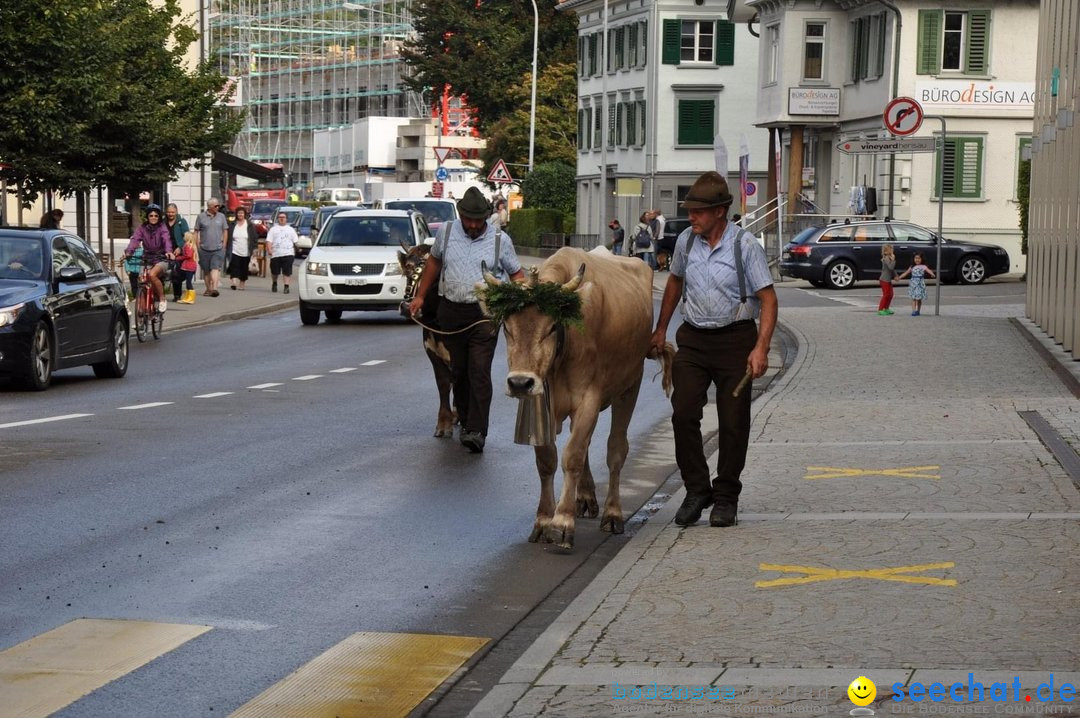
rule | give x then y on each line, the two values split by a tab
587	507
562	537
444	433
538	533
614	524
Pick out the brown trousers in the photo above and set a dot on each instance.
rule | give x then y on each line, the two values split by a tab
712	357
471	354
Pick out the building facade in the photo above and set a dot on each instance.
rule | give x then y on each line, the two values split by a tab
827	71
658	83
1053	301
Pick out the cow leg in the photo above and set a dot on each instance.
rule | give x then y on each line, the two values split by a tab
547	458
582	424
586	492
617	448
440	364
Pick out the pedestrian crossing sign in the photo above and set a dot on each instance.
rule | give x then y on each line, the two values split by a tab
499	174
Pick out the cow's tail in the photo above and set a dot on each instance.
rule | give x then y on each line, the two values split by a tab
666	359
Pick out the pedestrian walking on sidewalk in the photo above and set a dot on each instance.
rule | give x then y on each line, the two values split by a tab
721	275
641	245
618	234
189	258
917	285
178	228
281	248
243	242
888	271
212	226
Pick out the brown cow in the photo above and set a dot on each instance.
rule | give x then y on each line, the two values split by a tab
586	371
412	261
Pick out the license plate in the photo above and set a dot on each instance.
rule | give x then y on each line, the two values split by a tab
356	282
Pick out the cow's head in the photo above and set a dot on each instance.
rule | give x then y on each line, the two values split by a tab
412	261
534	318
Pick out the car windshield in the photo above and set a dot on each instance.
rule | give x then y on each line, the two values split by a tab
303	221
264	206
432	211
21	259
365	232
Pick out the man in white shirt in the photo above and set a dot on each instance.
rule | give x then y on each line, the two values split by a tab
281	248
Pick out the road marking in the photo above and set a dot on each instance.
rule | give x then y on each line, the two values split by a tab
906	472
307	377
43	674
265	386
368	674
373	362
151	405
343	370
214	395
46	420
815	574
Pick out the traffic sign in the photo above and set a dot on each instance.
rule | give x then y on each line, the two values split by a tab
499	174
441	153
903	116
910	144
436	189
442	174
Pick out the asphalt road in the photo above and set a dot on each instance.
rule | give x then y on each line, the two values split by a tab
287	516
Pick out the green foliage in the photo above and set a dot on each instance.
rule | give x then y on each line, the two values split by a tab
526	225
481	49
507	298
97	93
1023	195
550	185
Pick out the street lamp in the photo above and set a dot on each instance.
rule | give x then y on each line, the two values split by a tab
532	108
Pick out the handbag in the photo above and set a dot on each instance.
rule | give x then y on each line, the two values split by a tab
253	266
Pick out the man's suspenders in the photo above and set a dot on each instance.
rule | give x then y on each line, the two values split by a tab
740	270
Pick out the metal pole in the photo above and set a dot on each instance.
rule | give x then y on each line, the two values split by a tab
940	212
532	110
602	193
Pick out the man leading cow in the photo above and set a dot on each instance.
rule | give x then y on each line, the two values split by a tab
460	249
720	273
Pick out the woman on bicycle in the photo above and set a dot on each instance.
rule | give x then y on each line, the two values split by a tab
154	238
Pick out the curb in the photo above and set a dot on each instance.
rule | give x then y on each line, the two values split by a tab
230	316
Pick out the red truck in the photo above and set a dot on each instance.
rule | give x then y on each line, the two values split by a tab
241	191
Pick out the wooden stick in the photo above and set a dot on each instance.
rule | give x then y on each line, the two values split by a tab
742	383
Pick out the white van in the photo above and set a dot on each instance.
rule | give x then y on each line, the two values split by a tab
344	196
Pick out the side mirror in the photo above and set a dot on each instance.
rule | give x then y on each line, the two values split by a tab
71	274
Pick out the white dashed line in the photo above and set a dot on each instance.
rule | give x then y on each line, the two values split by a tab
265	386
214	395
373	362
343	370
46	420
151	405
307	377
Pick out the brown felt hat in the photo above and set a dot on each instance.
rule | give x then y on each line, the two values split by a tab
710	190
474	205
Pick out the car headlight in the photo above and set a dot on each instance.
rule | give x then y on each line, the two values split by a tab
9	314
319	268
392	269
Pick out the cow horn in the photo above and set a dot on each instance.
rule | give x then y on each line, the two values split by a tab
405	247
574	283
488	276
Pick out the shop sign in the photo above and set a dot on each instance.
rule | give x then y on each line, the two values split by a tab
985	97
813	100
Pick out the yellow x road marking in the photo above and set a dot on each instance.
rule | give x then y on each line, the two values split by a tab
814	574
907	472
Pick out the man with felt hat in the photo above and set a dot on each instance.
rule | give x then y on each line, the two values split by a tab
720	274
461	248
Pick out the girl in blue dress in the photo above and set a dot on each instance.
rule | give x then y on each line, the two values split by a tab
917	286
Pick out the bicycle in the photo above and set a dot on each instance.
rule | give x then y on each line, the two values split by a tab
148	319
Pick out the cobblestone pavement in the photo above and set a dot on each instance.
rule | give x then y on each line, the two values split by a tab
899	520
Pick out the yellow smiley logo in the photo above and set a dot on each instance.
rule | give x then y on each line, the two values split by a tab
862	691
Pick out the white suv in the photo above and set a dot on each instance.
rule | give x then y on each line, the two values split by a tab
353	265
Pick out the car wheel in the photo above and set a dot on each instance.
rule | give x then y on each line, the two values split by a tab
117	363
333	316
972	269
308	316
39	366
840	275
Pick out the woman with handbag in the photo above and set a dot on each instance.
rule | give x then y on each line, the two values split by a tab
243	242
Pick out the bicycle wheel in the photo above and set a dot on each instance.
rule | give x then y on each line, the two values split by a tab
142	314
156	320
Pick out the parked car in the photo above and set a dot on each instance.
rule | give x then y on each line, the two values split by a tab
263	213
838	255
666	246
321	215
58	308
435	211
353	265
344	196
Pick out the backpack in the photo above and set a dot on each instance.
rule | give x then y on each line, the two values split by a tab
643	240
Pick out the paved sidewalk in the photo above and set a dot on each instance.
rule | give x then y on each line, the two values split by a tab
900	520
231	304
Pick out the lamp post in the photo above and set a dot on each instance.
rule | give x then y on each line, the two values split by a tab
532	108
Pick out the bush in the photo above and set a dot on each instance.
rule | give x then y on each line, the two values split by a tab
526	225
550	185
1023	195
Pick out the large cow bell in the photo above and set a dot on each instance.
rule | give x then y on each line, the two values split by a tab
535	423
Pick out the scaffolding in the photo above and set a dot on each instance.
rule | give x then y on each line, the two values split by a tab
306	65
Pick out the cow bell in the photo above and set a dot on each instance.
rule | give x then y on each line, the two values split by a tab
535	422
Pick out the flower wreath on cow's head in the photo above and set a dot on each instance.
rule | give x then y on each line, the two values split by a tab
561	302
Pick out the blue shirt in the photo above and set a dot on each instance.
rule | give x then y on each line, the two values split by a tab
711	286
461	258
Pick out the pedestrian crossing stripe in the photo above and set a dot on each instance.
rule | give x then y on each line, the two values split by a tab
380	675
43	674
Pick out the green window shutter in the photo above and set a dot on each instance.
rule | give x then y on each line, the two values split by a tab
976	60
619	115
725	42
864	48
696	122
620	48
948	176
970	154
879	61
580	129
928	54
672	38
592	55
632	45
597	127
631	123
581	55
644	44
643	121
611	125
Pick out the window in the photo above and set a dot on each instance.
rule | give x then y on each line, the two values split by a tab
642	124
1023	149
631	123
696	122
867	48
772	36
963	168
582	128
698	42
620	115
612	119
840	234
953	42
907	234
814	51
632	45
84	257
642	55
620	48
594	54
597	117
583	55
871	233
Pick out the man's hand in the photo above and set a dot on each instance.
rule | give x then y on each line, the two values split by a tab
658	340
415	305
758	362
15	264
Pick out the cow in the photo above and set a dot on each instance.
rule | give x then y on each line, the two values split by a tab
586	370
412	261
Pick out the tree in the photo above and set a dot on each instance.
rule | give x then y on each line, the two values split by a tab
98	94
550	185
481	48
1023	197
